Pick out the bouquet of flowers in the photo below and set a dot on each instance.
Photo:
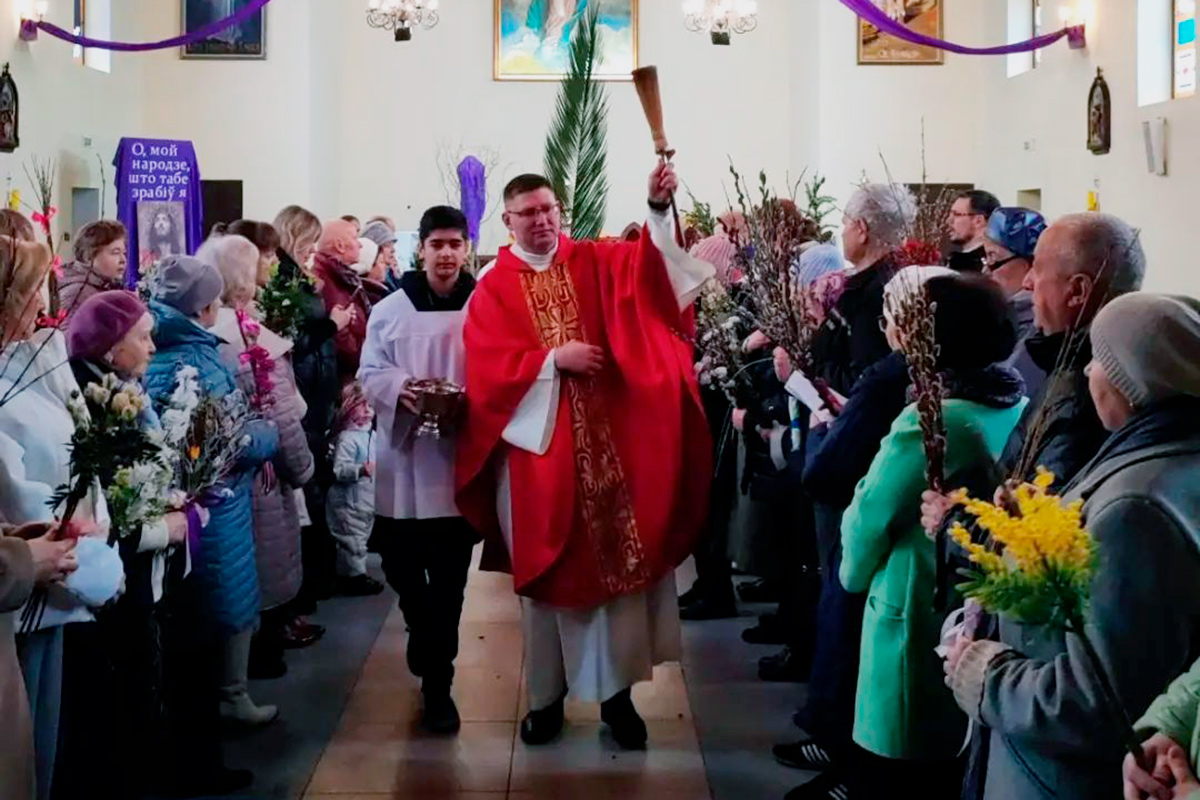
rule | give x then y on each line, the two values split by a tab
1037	569
258	360
107	439
282	302
719	338
204	436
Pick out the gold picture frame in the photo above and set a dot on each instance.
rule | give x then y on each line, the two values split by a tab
513	63
881	49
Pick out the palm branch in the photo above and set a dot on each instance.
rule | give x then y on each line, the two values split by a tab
576	146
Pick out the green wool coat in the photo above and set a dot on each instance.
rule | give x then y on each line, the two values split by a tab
1176	715
903	709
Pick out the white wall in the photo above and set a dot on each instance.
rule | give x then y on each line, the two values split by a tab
62	103
1047	107
345	120
866	110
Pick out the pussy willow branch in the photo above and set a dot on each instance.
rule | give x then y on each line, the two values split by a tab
915	319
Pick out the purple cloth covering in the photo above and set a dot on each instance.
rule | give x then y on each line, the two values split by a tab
866	9
29	29
158	171
472	179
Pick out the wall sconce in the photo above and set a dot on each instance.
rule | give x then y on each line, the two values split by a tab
1075	17
29	26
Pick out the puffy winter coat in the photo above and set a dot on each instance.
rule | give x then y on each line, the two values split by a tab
223	566
350	509
78	283
276	518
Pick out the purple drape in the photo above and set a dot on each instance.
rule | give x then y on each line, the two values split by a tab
472	180
866	9
29	29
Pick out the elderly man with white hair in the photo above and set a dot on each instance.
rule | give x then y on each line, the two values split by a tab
876	219
342	287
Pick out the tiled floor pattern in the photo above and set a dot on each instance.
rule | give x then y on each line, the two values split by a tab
379	752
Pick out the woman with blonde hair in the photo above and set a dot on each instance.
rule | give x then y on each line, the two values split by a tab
314	359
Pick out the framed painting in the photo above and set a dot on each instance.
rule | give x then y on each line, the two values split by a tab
923	16
532	38
245	41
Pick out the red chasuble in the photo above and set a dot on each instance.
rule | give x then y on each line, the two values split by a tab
620	497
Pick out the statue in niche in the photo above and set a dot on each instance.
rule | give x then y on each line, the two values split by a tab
1099	116
9	113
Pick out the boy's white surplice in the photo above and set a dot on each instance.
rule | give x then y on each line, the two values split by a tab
414	475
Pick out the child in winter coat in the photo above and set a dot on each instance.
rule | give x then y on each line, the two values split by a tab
350	506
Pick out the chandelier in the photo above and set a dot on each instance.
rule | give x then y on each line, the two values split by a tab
402	16
720	17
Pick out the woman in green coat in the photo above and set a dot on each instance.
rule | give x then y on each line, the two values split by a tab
906	722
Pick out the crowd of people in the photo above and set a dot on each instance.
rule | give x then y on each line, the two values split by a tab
1050	358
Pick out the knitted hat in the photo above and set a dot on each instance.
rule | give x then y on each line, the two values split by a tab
907	282
379	233
719	251
186	284
101	322
818	261
1149	346
366	256
1017	230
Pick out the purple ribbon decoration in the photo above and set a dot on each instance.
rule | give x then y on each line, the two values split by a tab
195	526
30	28
866	9
472	181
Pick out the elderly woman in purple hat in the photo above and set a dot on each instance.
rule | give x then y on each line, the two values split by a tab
109	712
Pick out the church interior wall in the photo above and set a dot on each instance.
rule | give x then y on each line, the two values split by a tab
342	119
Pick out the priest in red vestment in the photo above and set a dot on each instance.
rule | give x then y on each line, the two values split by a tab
585	450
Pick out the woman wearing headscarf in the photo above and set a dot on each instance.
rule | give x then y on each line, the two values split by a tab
1008	245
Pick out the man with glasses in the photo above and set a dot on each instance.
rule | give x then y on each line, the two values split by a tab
968	223
585	449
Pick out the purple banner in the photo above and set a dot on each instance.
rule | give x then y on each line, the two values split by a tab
159	200
867	10
472	180
29	29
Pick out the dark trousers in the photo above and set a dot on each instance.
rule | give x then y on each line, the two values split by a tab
829	714
426	562
800	586
193	671
318	551
112	713
875	776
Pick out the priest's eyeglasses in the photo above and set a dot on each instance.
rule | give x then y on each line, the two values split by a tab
531	214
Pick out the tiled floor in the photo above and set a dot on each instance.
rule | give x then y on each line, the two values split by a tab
380	752
349	710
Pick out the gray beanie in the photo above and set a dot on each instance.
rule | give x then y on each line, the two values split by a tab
1149	346
186	284
379	233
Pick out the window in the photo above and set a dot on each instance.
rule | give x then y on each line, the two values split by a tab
1021	22
97	21
1184	48
1155	37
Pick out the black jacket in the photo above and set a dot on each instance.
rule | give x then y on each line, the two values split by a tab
1070	432
314	359
850	340
968	261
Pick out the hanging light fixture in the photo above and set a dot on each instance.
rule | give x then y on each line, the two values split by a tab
720	17
402	16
